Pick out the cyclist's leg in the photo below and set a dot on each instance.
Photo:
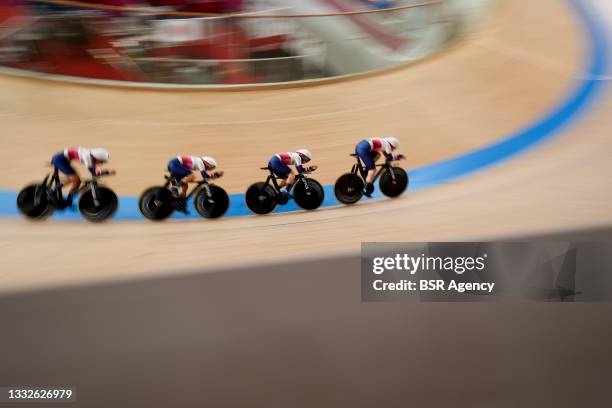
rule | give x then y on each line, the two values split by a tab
280	170
71	178
185	183
180	173
366	155
290	180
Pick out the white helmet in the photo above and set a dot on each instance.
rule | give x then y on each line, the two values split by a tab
209	162
99	153
393	142
306	153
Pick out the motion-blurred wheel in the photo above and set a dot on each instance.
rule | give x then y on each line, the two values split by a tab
32	202
308	194
349	188
104	209
261	198
213	206
393	184
155	205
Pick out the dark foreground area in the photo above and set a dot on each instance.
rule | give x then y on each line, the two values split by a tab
298	335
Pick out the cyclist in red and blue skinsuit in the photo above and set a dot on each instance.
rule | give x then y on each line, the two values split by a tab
279	164
369	151
185	168
62	161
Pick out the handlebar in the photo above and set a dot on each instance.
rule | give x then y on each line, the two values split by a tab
103	173
387	162
400	158
93	180
310	169
96	178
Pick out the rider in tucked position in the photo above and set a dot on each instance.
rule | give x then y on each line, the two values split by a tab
279	164
369	151
185	169
90	158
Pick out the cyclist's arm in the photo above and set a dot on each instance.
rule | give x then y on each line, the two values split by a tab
199	168
388	149
88	162
297	161
210	175
389	154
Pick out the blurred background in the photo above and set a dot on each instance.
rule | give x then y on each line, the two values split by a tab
225	41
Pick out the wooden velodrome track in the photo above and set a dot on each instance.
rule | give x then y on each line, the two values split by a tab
526	58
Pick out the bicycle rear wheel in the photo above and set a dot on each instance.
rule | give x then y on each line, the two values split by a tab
154	203
261	198
349	188
32	201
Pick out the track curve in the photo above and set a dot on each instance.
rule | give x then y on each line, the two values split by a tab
465	106
445	170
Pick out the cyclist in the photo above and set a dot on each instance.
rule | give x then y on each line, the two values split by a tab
279	164
184	170
369	151
90	158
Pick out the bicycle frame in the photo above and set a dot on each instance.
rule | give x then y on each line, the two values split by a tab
202	184
363	172
272	178
48	183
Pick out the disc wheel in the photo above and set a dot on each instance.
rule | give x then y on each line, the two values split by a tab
108	203
154	203
349	188
308	194
396	185
32	202
213	206
261	198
